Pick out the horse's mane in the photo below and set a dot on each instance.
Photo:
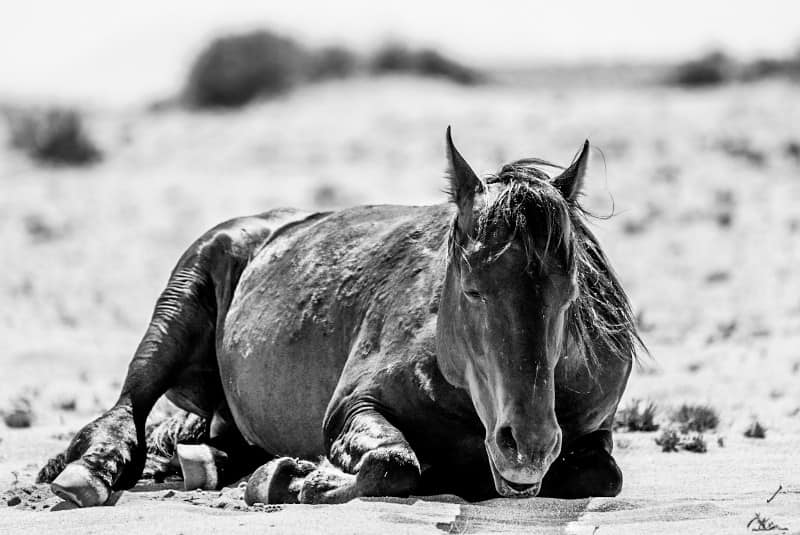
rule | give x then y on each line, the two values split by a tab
534	212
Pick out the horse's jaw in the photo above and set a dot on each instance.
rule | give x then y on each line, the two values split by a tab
513	489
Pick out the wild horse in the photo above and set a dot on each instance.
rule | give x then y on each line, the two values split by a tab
478	347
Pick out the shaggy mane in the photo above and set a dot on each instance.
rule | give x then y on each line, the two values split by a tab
529	209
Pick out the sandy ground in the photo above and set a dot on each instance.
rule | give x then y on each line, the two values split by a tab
706	240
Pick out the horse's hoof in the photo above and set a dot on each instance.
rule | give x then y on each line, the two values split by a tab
278	481
201	466
79	486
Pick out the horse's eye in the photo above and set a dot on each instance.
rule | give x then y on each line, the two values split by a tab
473	294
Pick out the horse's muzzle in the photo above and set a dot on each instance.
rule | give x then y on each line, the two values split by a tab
516	489
518	469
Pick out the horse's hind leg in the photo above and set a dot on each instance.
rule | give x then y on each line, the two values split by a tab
370	457
222	458
177	353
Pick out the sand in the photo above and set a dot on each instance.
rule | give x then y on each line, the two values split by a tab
706	241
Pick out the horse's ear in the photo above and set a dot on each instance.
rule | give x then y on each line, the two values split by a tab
464	184
570	182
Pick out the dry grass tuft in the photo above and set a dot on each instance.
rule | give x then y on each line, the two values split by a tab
695	418
668	440
695	443
755	430
639	416
671	440
763	523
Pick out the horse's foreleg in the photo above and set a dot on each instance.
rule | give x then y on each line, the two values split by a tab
370	457
109	453
584	469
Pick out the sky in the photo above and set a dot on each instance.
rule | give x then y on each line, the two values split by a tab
113	52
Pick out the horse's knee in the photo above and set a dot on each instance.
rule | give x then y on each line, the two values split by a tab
388	472
583	474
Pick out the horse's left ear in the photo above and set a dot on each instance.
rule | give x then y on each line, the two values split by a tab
464	184
570	182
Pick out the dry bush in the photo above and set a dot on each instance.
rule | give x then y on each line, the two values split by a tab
717	68
694	443
696	418
755	430
668	440
638	416
791	149
55	136
671	440
235	69
395	58
333	62
742	148
19	413
714	68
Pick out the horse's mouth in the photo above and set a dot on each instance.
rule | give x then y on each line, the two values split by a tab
520	490
512	489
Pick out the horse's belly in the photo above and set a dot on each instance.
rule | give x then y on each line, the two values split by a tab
314	294
279	367
278	394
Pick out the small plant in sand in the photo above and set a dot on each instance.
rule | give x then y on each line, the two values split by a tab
66	403
668	440
671	440
638	416
695	443
755	430
695	418
763	523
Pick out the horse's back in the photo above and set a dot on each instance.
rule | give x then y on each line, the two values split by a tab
302	304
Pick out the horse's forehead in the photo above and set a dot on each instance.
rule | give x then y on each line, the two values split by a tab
497	253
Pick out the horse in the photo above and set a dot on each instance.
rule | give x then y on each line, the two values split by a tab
477	347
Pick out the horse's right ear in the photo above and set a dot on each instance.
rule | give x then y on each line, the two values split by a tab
463	186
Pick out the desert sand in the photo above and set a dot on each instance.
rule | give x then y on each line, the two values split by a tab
706	240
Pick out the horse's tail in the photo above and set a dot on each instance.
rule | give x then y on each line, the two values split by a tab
162	437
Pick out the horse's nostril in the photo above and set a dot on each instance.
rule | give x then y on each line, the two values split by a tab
505	439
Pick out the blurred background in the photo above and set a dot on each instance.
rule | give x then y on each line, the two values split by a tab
127	130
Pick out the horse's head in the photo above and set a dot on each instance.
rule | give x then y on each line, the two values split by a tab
511	277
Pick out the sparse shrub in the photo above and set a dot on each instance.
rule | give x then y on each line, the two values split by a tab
20	414
742	148
668	440
694	443
394	58
333	62
671	440
755	430
55	136
40	230
696	418
66	403
792	150
714	68
763	523
761	68
233	70
325	195
639	416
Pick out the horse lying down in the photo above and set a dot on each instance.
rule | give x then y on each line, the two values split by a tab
477	347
